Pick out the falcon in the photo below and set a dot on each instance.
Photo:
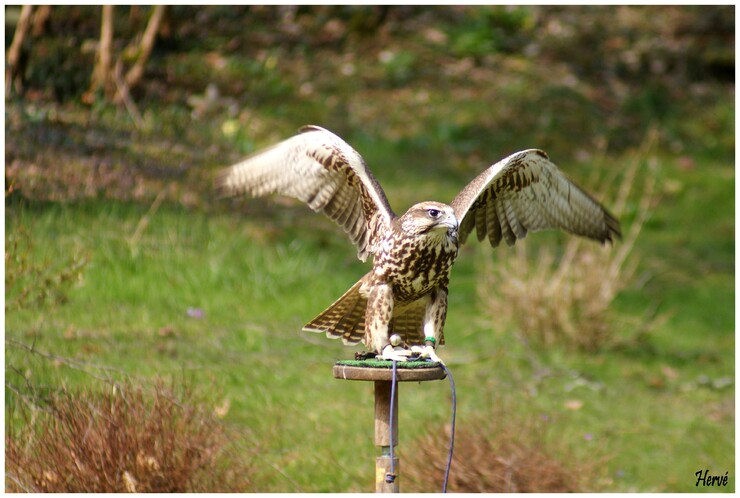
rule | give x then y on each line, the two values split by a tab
405	292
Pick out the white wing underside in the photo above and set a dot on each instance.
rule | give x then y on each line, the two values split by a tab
320	169
526	192
522	193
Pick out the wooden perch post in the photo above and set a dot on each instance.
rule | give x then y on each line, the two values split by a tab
382	376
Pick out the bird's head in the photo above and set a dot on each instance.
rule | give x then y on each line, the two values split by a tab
432	218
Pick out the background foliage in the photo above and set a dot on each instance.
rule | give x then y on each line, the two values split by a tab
122	268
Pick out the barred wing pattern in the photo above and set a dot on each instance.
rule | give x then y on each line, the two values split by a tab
322	170
526	192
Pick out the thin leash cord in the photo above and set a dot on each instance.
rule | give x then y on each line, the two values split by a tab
452	436
390	477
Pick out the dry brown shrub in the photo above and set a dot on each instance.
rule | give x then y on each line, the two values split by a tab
566	299
493	456
124	440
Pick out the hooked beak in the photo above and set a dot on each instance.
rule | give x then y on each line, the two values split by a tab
449	224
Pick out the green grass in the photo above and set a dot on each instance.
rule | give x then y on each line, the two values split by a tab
216	292
655	408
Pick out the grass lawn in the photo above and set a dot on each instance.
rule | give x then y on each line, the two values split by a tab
122	265
218	298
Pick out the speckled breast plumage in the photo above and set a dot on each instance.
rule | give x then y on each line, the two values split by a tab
415	264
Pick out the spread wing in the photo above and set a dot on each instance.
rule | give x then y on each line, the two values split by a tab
526	192
322	170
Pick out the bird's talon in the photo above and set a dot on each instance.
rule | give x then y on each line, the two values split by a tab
394	354
426	352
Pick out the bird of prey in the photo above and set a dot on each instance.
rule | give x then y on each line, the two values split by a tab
405	292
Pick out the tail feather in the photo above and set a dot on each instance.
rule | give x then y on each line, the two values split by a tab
344	319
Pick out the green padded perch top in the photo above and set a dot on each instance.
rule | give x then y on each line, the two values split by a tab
388	364
382	370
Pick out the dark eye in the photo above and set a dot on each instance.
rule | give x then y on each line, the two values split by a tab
433	213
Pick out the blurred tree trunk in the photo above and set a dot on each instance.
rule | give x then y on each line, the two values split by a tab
109	76
102	76
41	20
145	47
15	59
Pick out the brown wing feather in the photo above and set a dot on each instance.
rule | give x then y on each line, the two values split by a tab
322	170
344	319
526	192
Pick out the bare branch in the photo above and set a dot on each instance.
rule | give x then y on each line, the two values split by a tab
145	48
40	20
124	96
13	70
70	362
